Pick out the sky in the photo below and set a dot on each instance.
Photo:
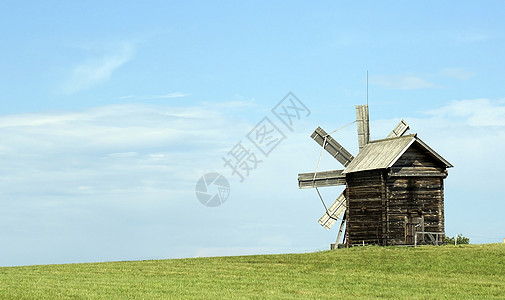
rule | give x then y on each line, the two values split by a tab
111	112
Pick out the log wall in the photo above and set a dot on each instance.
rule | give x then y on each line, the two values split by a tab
365	201
383	203
415	189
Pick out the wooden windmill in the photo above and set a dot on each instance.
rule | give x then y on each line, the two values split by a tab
394	187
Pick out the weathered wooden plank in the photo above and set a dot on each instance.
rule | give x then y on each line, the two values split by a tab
366	221
399	130
416	195
373	213
326	178
332	146
335	211
413	189
416	156
404	182
418	174
429	171
364	194
408	161
340	230
363	122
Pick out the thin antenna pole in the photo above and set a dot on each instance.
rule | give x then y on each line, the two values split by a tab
367	87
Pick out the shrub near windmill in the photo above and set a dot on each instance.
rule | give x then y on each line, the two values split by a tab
394	191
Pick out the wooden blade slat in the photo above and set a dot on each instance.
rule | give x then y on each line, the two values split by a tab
325	178
333	147
399	130
336	210
362	119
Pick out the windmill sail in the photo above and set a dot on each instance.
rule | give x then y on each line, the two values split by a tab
335	211
320	179
363	122
333	178
399	130
333	147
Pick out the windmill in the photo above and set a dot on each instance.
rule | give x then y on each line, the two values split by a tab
394	187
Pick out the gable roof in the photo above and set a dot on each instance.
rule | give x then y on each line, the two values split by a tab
382	154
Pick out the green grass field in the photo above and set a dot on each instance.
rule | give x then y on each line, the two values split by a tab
465	272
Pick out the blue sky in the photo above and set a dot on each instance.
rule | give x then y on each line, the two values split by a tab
110	112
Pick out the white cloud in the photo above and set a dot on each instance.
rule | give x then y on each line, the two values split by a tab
456	73
415	82
126	97
402	82
171	95
474	112
471	135
123	154
97	70
119	147
130	170
163	96
472	37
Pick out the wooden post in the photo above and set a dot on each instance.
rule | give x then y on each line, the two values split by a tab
362	119
341	227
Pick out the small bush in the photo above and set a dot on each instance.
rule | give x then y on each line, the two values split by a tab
460	239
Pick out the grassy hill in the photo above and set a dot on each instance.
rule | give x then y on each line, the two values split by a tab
471	271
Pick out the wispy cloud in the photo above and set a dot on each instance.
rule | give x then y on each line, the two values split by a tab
471	135
402	82
97	70
128	167
115	171
171	95
126	97
475	112
472	37
152	97
456	73
416	82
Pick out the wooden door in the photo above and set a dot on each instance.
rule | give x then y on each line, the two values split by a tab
413	225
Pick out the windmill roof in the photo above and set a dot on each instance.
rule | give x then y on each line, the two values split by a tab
382	154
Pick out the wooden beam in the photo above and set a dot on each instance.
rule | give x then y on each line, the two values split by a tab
335	211
363	122
341	229
333	147
399	130
326	178
417	174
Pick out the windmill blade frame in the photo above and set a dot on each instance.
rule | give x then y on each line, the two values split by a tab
321	179
399	130
334	212
332	146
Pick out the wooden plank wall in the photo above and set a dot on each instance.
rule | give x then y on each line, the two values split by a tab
416	161
415	189
414	197
381	202
365	194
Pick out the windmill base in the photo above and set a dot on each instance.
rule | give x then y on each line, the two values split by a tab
337	246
